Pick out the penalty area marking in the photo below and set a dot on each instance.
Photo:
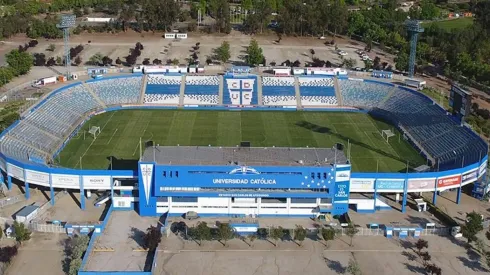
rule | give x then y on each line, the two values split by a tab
112	136
78	162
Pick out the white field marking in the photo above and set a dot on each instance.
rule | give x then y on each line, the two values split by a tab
94	139
112	137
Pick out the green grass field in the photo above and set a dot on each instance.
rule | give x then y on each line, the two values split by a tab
121	132
459	23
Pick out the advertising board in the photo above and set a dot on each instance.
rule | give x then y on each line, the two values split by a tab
37	177
15	171
449	181
65	181
483	168
421	184
469	176
361	184
342	175
102	182
390	184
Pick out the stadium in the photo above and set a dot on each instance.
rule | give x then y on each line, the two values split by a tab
163	141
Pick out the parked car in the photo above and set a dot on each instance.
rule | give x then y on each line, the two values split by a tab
342	53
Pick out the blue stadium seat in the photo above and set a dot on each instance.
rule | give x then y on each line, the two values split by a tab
317	91
118	90
201	90
163	89
278	91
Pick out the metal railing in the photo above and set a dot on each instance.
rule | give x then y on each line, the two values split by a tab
46	227
10	200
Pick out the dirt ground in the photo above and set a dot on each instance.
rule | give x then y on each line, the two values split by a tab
43	254
375	255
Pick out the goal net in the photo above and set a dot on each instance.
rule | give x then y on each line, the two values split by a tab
386	134
94	131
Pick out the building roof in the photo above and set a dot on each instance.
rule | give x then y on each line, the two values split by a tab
26	211
253	156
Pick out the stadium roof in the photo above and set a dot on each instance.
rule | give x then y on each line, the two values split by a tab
258	156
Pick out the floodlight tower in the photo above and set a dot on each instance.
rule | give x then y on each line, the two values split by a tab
413	28
67	21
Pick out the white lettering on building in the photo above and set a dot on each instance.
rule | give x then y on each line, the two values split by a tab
244	181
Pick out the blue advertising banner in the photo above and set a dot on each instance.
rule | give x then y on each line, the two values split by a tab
389	184
239	194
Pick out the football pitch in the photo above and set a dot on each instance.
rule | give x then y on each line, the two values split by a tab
121	131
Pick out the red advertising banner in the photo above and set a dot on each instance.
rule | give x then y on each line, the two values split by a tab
449	181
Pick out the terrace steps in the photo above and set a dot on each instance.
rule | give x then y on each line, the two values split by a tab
259	90
94	95
41	129
296	91
182	91
338	93
220	90
390	94
143	89
41	152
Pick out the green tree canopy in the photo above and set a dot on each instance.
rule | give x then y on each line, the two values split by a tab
254	53
20	62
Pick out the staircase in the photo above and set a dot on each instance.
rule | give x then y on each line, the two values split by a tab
143	89
259	90
338	93
221	88
91	91
298	94
182	91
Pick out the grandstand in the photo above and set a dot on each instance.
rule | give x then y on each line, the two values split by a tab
163	89
117	90
46	127
278	91
201	90
317	91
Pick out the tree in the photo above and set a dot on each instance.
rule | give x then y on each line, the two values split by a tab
78	60
377	63
276	233
254	53
433	269
420	245
7	253
51	62
328	234
1	232
251	238
59	60
353	267
312	52
473	225
118	61
175	61
21	232
157	61
106	61
96	59
78	12
351	232
350	63
152	238
139	46
146	61
39	59
20	62
200	233
223	52
131	60
299	234
225	232
401	62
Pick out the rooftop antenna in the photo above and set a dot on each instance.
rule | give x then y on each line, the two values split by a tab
67	22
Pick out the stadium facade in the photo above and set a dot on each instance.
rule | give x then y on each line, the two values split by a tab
241	181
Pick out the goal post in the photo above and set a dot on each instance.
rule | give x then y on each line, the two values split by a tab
94	131
386	134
